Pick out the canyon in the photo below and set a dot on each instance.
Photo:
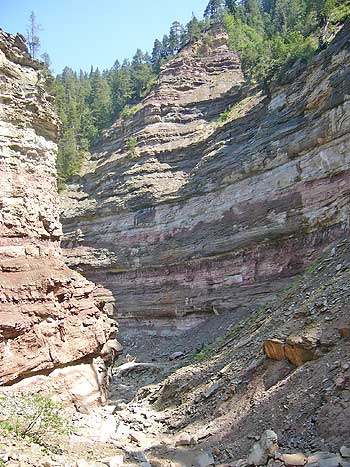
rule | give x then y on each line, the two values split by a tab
208	215
210	226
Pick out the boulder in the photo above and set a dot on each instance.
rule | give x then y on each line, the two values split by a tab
185	439
205	458
299	350
263	449
274	349
297	459
345	451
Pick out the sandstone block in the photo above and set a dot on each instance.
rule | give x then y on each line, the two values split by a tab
299	350
296	459
274	349
345	451
184	439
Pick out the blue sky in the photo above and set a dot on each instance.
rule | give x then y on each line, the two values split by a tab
81	33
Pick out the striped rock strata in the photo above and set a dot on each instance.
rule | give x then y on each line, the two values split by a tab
51	327
207	215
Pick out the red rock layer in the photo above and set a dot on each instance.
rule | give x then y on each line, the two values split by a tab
48	314
215	216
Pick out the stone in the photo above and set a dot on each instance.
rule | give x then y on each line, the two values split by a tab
82	463
345	451
184	439
115	461
274	349
334	461
344	332
299	350
42	302
263	449
137	437
205	458
108	429
176	355
213	387
296	459
323	459
123	431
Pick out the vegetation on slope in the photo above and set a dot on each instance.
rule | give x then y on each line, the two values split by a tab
268	34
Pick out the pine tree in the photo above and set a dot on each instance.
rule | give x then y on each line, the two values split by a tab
141	74
100	100
157	54
214	10
253	14
193	29
231	6
165	47
121	88
33	39
175	35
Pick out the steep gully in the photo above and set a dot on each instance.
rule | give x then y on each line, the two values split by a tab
214	218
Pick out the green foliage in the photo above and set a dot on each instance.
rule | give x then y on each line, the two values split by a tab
237	110
214	10
204	353
33	416
336	11
268	35
129	111
131	144
90	102
271	34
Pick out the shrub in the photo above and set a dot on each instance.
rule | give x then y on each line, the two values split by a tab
129	111
131	144
33	416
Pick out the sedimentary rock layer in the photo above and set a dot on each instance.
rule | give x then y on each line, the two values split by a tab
211	215
48	314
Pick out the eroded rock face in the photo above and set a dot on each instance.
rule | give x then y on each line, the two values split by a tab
49	319
211	217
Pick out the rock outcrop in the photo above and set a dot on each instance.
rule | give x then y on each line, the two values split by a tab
51	327
206	215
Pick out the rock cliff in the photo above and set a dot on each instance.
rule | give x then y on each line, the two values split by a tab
51	327
211	195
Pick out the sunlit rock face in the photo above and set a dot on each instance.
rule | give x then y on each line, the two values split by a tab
48	313
207	216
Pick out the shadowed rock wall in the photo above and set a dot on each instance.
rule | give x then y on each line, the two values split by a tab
210	216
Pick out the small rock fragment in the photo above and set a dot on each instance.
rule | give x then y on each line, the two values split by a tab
82	463
263	449
176	355
345	451
204	459
211	389
296	459
184	439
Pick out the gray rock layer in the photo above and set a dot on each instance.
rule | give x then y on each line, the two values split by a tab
211	216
